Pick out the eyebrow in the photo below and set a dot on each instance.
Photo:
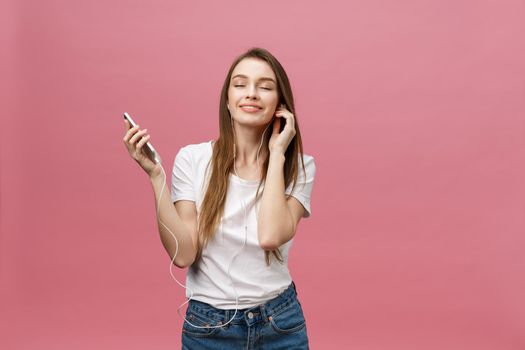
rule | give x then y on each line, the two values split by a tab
263	78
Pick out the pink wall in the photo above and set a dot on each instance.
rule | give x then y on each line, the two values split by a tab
414	111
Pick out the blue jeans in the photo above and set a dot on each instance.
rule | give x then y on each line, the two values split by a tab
277	324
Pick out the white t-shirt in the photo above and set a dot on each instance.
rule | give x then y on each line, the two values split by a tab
254	281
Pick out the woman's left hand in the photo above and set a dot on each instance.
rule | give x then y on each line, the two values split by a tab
279	141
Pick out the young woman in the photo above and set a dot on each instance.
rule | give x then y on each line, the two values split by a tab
237	204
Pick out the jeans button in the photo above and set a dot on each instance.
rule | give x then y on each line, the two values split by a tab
250	315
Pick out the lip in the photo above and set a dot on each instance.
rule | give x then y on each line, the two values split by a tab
250	110
249	104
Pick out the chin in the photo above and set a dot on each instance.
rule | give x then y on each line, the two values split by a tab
252	120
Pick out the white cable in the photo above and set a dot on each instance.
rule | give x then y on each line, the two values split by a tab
231	262
175	255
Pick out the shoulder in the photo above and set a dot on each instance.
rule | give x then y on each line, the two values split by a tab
195	156
307	158
197	150
309	163
307	173
197	147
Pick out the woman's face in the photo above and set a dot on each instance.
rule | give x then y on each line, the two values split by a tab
252	82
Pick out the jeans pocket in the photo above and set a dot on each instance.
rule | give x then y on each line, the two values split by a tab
201	325
288	320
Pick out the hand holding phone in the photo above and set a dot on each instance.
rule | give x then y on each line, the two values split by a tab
139	147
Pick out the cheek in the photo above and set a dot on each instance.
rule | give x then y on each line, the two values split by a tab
233	96
272	100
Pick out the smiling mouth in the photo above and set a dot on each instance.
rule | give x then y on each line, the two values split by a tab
250	108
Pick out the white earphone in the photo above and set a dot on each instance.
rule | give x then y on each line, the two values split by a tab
233	258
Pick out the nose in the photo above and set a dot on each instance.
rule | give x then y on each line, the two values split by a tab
252	92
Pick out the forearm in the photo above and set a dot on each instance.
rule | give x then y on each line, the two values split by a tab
275	224
169	217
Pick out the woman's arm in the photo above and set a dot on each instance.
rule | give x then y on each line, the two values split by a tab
278	217
184	226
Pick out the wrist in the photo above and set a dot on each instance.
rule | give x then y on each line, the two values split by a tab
155	178
277	156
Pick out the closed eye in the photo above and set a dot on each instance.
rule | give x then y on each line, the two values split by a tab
265	88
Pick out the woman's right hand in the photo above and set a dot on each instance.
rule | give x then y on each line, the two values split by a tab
134	140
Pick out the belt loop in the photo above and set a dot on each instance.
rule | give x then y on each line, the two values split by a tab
264	313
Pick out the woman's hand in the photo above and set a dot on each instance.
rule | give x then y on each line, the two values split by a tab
134	141
279	141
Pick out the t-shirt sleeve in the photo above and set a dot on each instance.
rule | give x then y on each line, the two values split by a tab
181	177
303	187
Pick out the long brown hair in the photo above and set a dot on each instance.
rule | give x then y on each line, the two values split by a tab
222	160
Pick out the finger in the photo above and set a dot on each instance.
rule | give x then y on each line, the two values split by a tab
137	135
289	118
135	138
276	125
142	142
130	132
289	126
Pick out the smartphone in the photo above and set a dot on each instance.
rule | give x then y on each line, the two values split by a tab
148	148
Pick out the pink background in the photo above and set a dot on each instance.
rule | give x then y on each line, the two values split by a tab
414	112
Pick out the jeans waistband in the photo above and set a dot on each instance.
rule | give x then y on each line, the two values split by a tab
249	315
